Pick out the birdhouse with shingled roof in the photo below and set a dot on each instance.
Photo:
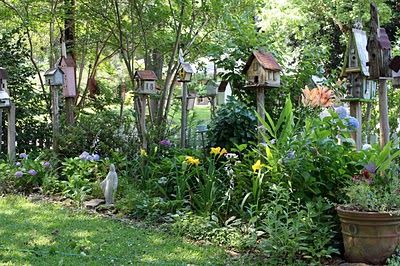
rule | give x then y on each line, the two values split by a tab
262	70
355	68
145	82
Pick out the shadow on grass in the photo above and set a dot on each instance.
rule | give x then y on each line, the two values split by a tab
46	234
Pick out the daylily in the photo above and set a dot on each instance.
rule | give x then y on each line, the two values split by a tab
317	97
215	151
257	166
143	152
192	161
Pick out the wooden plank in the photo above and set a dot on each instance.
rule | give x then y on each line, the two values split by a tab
11	133
260	103
55	116
142	101
383	113
355	111
184	115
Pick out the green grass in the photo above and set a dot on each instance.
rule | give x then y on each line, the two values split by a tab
48	234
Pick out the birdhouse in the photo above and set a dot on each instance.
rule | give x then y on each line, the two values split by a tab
3	79
224	91
262	70
395	66
186	72
67	65
190	101
212	88
145	82
5	101
355	68
54	77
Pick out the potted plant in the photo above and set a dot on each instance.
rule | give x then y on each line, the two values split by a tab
370	219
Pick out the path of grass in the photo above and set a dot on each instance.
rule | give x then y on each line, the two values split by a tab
47	234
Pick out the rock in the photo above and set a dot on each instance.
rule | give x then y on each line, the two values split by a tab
92	204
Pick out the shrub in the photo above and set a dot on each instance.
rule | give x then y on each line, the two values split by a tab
234	123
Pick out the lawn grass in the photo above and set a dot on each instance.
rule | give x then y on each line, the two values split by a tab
49	234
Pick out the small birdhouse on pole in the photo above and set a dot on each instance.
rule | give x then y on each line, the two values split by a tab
185	73
355	68
395	66
145	82
7	106
262	71
3	79
54	77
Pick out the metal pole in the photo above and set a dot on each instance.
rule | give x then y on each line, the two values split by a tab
184	115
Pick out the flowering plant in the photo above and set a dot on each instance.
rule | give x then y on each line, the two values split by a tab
377	186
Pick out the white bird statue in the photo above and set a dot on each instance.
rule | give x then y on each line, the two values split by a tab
109	185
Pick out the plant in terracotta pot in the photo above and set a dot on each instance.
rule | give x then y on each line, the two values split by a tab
370	219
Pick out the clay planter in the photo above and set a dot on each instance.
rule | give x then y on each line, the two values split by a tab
369	237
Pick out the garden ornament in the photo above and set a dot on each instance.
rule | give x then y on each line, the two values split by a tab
109	185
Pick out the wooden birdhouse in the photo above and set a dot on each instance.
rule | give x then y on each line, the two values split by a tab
262	70
224	91
355	67
67	65
54	77
395	66
212	88
3	79
145	82
186	72
5	101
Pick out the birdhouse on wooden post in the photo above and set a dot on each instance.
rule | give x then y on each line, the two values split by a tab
3	79
54	77
5	101
262	71
355	68
145	82
67	65
186	72
395	66
212	88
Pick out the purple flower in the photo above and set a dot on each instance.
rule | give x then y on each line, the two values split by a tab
17	164
166	143
19	174
341	111
95	157
370	167
23	155
84	155
89	158
46	164
291	155
32	172
352	123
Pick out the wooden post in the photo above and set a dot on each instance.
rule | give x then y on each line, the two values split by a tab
55	116
383	113
69	110
356	111
142	101
1	128
11	133
184	115
260	103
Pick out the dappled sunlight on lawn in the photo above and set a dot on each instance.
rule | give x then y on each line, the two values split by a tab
46	234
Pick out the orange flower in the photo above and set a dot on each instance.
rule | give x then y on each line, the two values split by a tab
317	97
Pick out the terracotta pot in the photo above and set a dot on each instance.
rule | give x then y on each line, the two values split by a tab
369	237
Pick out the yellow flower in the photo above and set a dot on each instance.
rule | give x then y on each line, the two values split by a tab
143	152
192	161
215	151
257	166
223	151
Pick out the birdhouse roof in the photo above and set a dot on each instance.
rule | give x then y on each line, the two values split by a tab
69	61
266	60
3	73
359	37
187	68
396	74
222	86
383	40
145	75
52	71
4	95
